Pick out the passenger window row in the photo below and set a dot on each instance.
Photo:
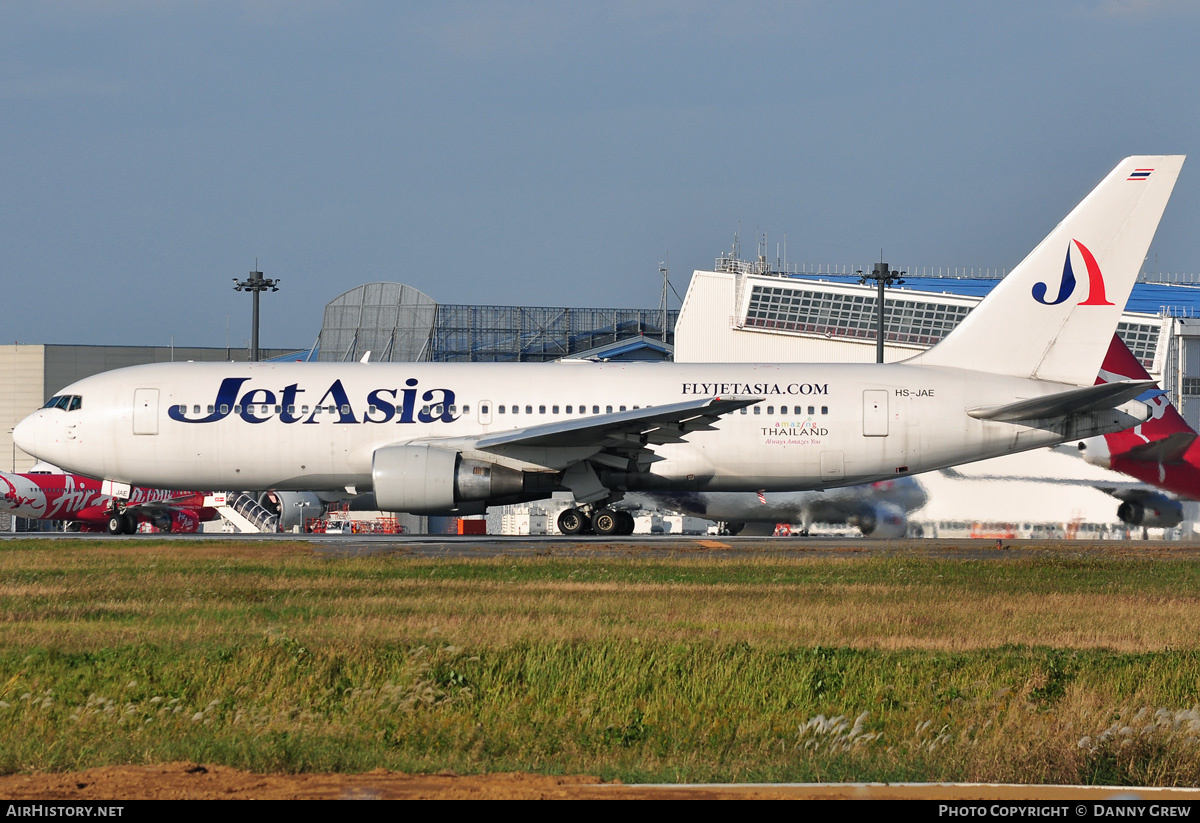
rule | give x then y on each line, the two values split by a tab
72	402
784	410
583	409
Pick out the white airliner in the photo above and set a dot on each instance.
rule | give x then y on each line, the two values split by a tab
454	438
878	509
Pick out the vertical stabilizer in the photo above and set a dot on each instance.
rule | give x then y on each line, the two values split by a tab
1053	316
1165	421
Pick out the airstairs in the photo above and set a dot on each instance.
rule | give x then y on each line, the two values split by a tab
246	515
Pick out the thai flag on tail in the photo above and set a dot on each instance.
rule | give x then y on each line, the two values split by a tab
762	498
1139	174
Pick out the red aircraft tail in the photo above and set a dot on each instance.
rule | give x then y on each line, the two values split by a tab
1165	436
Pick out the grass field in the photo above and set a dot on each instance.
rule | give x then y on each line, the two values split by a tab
1079	667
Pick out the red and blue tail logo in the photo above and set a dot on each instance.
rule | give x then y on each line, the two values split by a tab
1095	296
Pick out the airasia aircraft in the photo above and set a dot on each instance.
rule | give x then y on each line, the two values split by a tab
72	497
1163	451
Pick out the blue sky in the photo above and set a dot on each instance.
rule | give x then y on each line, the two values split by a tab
549	153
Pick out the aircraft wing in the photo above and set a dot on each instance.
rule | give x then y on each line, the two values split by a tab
1132	492
653	425
156	505
623	441
1076	401
168	504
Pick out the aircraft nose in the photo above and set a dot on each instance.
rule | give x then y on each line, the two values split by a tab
25	435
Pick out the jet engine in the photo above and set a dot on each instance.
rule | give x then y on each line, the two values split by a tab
1151	511
184	521
433	480
1095	451
176	521
883	520
292	508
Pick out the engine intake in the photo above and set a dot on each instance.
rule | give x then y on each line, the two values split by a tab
433	480
292	508
884	520
1153	511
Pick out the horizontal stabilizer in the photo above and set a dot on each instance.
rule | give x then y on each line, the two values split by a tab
1168	450
1076	401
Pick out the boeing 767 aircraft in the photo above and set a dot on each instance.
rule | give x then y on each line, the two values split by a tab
1016	374
878	509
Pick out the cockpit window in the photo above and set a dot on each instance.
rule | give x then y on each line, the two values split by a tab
66	402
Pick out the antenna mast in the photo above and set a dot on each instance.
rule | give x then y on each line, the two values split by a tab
662	303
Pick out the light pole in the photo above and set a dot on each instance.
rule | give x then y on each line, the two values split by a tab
255	284
882	277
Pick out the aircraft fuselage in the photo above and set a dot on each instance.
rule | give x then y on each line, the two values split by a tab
317	426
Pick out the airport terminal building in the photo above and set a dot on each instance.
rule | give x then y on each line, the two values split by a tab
397	323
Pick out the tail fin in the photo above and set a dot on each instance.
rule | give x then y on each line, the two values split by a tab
1043	322
1165	436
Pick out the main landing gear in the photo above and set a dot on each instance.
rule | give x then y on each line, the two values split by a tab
122	523
603	521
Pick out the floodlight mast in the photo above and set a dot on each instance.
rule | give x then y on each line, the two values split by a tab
255	284
882	276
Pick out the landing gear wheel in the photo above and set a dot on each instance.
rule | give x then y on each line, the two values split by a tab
624	522
122	523
605	521
572	521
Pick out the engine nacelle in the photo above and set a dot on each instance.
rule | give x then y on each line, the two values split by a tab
433	480
175	521
184	521
1095	451
1152	511
292	508
883	520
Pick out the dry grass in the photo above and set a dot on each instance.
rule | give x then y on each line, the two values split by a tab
1065	669
69	597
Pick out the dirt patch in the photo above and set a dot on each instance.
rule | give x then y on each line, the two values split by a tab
192	781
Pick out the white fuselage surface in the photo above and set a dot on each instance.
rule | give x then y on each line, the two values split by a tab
317	426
